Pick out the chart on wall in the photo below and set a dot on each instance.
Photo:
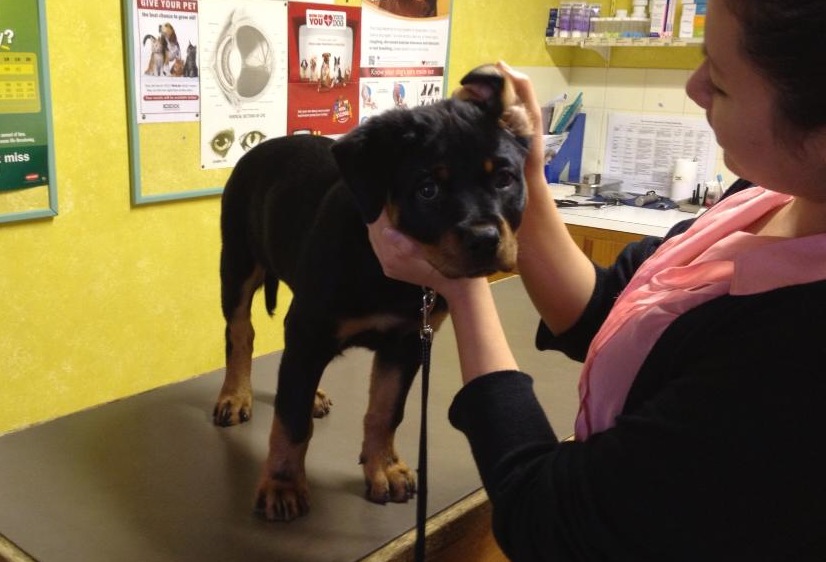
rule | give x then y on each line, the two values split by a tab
24	144
243	77
166	70
403	54
642	149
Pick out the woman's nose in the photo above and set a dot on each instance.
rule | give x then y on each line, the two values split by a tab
699	86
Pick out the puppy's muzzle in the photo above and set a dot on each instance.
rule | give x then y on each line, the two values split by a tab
474	250
480	242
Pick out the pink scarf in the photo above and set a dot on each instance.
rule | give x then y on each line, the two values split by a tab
712	258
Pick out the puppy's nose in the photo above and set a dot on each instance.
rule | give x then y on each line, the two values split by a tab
482	239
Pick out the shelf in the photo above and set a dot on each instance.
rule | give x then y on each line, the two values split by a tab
603	45
601	42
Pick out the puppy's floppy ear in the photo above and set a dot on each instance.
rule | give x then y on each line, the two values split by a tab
364	157
487	87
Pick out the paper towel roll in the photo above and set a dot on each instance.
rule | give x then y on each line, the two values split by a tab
684	179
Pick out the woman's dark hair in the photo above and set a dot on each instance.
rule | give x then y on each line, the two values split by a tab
784	40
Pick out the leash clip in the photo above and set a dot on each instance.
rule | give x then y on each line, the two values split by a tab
428	302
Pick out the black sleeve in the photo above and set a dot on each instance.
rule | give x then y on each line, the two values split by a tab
610	282
722	460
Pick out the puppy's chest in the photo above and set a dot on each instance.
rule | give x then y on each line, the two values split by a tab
368	331
371	330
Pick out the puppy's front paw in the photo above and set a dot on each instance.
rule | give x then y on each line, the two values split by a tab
388	479
232	409
282	497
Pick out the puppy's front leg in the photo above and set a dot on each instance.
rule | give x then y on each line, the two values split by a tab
387	477
283	493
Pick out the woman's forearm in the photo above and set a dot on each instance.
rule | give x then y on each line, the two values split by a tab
558	277
481	341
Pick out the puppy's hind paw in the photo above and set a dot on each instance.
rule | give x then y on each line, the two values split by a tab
321	404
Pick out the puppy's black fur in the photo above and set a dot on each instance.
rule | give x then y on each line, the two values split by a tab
294	210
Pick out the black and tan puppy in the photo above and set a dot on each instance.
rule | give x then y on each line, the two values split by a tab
295	209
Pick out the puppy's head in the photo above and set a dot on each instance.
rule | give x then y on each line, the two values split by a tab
450	174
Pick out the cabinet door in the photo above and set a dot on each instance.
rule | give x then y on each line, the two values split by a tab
602	246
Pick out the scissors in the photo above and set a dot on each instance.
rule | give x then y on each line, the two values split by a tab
561	203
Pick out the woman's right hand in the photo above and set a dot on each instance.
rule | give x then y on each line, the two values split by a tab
535	163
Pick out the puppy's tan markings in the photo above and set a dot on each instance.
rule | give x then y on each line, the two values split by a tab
234	403
283	493
508	247
379	322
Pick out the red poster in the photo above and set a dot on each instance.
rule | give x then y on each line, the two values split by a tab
324	54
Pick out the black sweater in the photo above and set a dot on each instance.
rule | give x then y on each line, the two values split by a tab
719	453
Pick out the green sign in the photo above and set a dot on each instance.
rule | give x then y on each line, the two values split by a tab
24	154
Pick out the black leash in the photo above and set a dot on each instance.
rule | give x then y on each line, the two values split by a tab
426	335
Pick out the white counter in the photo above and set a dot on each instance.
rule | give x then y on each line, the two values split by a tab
621	218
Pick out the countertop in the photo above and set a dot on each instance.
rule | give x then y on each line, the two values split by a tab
621	218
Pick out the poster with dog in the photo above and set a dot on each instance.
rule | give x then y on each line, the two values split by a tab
324	50
166	65
243	77
404	54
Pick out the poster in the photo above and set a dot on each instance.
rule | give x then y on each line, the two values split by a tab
166	66
243	64
403	56
324	47
24	154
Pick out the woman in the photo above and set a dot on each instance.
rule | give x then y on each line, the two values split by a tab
700	434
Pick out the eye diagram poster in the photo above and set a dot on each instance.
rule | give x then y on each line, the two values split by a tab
404	54
243	77
642	149
24	154
166	60
324	49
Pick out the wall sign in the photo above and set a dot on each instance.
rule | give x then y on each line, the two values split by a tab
26	158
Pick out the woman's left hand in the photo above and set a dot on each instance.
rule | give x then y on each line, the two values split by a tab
400	256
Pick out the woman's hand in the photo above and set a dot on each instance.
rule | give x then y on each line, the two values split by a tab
401	258
535	163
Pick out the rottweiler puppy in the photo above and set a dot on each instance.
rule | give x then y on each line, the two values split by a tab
294	210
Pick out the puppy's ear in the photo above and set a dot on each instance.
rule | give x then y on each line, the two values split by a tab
491	90
364	157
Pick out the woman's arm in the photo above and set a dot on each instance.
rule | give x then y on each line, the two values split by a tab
558	277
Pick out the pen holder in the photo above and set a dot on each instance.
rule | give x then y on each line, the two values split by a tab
569	155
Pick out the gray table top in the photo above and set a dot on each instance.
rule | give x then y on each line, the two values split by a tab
150	478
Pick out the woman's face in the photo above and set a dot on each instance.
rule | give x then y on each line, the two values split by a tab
740	107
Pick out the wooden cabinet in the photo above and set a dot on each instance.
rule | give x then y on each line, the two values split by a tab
602	246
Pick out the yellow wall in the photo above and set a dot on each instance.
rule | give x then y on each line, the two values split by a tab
107	300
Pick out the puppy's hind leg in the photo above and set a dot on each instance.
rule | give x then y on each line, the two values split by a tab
240	278
387	477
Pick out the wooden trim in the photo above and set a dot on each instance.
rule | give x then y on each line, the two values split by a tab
458	533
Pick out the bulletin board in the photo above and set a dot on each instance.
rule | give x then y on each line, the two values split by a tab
164	156
27	177
265	68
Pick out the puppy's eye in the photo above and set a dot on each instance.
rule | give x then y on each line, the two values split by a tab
503	178
428	191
